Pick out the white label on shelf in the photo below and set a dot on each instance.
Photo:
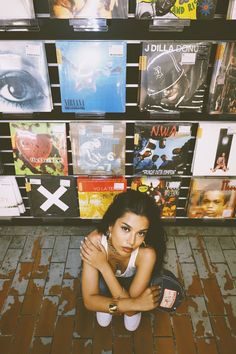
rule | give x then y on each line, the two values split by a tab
35	181
188	58
116	49
65	182
184	129
118	186
33	49
107	129
231	130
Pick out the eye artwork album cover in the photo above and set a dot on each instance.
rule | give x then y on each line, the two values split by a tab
39	148
16	10
52	196
162	148
107	9
173	75
24	80
231	12
219	138
165	192
11	202
222	97
92	76
212	198
95	195
98	149
175	9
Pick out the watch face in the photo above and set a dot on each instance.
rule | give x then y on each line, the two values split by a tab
113	308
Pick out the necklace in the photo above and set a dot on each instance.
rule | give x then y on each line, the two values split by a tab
116	264
111	247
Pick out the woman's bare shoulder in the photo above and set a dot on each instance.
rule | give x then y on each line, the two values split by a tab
147	254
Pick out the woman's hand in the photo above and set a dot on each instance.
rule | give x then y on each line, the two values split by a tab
93	254
149	299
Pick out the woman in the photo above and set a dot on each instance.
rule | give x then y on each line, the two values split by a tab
121	260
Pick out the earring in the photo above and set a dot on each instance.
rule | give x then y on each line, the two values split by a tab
144	244
108	234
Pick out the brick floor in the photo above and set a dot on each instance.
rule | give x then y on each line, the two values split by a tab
41	310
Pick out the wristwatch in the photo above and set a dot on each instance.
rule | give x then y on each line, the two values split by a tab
113	308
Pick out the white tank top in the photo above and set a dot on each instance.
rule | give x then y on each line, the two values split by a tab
131	268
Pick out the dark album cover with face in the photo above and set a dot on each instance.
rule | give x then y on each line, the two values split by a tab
52	196
89	8
24	80
212	198
173	75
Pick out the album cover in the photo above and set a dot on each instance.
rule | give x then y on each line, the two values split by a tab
25	86
98	148
95	195
11	202
162	148
39	148
173	75
16	10
222	97
231	13
212	198
175	9
219	138
108	9
164	191
92	75
52	196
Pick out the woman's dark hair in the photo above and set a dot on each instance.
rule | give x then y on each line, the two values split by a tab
143	205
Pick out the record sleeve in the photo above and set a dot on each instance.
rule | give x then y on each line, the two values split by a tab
39	148
173	75
212	198
231	12
16	10
161	148
95	195
98	148
92	76
52	196
222	97
220	141
108	9
11	202
163	190
24	80
175	9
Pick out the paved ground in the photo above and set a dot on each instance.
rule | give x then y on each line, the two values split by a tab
41	311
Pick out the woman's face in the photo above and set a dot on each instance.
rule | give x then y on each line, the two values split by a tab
128	232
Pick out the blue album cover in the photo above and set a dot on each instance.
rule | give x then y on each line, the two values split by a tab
92	75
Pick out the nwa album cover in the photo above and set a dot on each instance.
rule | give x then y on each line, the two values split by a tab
92	75
173	75
52	196
98	148
175	9
95	195
162	148
164	191
11	202
220	141
222	97
16	10
24	80
39	148
107	9
212	198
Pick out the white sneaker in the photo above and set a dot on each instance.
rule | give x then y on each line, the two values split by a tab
132	322
103	318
